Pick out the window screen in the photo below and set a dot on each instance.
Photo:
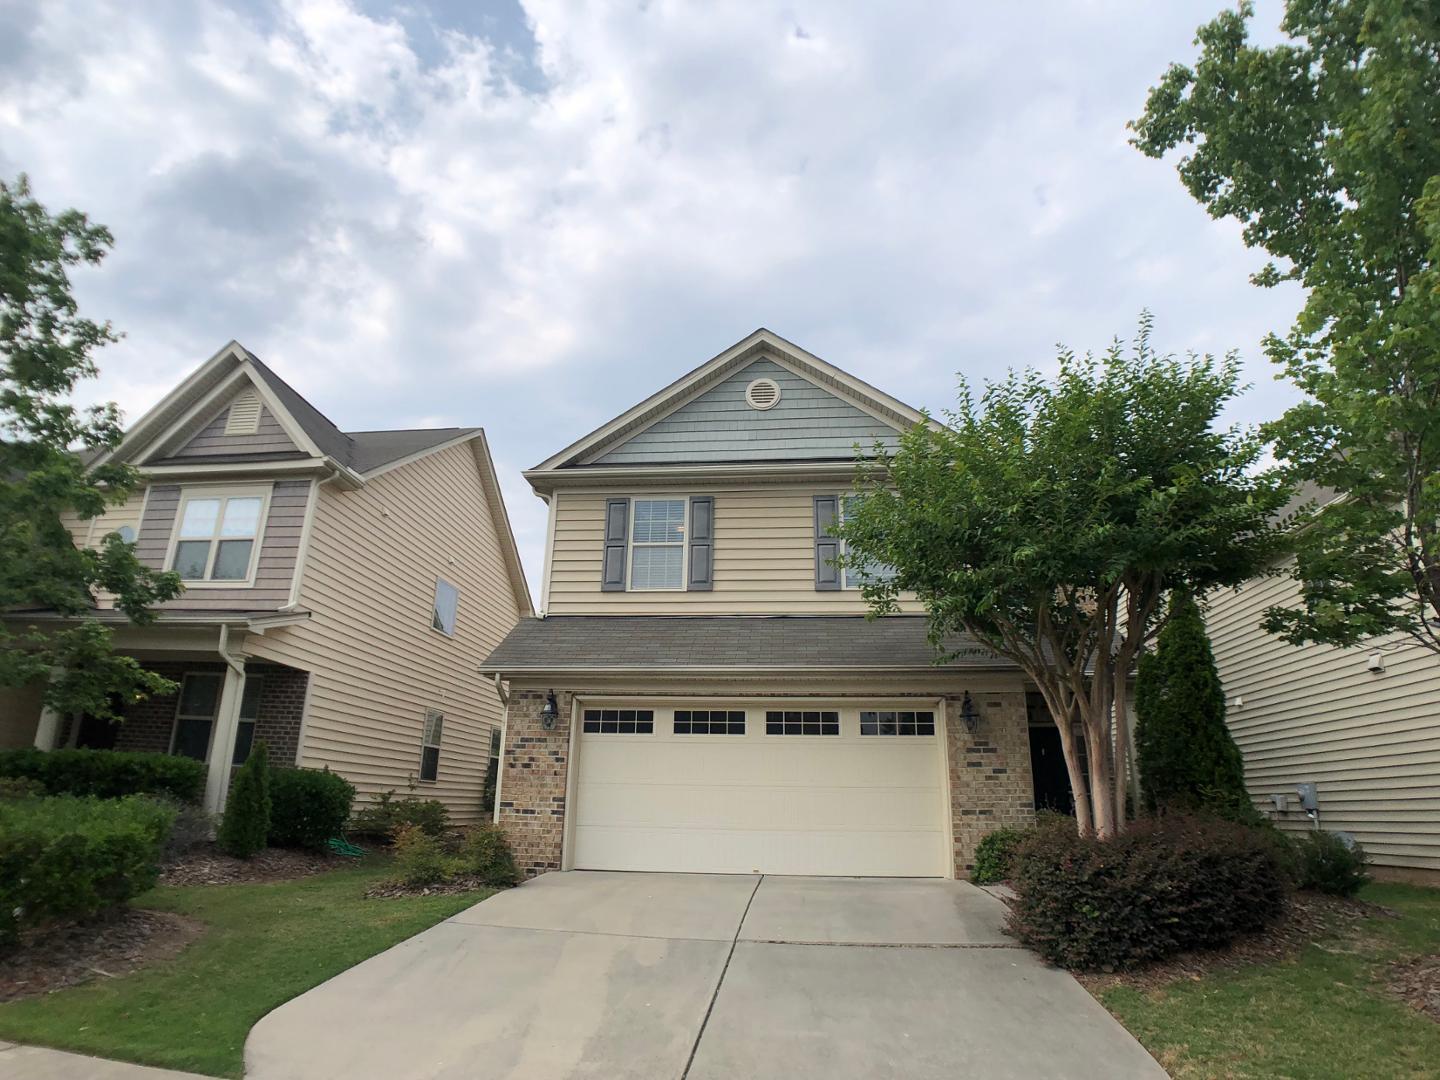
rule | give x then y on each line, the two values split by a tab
619	721
802	722
711	722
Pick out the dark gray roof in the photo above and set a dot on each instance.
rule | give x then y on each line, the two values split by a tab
371	449
675	643
324	434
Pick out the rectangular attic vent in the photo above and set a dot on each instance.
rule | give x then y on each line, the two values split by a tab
244	415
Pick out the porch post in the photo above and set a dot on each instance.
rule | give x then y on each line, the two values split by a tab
222	739
47	730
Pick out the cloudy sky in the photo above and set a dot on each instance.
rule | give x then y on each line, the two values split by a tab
530	215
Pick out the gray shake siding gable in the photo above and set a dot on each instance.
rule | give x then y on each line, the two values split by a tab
279	546
808	423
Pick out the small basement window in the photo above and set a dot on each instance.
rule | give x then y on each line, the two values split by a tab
802	722
897	723
711	722
619	722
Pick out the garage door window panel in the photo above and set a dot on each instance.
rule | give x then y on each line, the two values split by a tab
618	722
802	722
709	722
897	722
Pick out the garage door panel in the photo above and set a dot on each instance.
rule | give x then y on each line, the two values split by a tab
795	804
730	851
751	807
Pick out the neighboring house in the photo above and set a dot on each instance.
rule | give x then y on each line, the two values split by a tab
720	702
339	586
1360	724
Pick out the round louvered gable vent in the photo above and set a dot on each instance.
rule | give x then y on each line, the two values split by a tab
762	394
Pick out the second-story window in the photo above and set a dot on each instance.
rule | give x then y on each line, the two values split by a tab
657	544
869	571
218	536
447	604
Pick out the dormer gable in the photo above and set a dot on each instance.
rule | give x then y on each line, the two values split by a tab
236	427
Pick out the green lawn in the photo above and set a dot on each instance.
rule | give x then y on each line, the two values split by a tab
265	944
1321	1016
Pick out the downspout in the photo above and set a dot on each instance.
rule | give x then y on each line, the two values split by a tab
236	664
504	696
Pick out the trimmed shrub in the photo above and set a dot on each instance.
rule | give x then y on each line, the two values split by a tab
308	807
20	787
193	828
486	854
1331	863
995	854
387	814
1185	753
421	859
1164	886
68	857
246	823
107	774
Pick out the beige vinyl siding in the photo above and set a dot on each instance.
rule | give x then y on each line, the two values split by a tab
1314	713
764	558
377	664
279	548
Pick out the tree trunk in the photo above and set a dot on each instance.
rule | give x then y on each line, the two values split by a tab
1079	789
1121	699
1101	778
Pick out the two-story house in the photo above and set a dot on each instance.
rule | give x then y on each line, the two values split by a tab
338	588
701	690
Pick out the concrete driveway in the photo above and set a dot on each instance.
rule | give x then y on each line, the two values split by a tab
587	974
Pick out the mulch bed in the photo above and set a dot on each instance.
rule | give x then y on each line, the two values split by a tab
1308	918
57	957
390	890
1417	983
208	865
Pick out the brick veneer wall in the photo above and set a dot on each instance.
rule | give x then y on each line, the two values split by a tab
148	724
533	765
990	782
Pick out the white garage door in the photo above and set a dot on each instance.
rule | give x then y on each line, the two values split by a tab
774	788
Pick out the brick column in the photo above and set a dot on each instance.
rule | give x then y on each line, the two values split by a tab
534	763
990	782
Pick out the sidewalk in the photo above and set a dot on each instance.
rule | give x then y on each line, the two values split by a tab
38	1063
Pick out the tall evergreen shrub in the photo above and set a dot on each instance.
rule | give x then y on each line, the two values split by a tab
246	823
1185	753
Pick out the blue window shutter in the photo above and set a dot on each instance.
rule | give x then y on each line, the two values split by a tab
827	544
617	525
702	544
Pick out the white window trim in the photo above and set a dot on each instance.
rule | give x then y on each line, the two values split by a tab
436	746
433	607
180	699
630	542
249	491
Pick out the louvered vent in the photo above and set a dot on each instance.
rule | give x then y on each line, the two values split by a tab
762	394
244	417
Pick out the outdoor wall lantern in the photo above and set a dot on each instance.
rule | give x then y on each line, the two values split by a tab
549	712
969	714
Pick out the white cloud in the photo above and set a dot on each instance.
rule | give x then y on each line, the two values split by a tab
371	202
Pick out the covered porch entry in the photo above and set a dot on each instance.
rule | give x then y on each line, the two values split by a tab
224	703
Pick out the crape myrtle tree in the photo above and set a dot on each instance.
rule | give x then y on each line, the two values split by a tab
1326	147
46	348
1048	518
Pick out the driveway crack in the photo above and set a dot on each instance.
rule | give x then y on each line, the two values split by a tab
720	981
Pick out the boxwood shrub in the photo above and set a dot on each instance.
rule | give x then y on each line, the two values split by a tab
387	814
995	855
1163	886
67	857
308	807
107	774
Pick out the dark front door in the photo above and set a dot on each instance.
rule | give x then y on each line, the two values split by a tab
96	733
1047	766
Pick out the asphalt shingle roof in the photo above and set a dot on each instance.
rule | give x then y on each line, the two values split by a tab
675	643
